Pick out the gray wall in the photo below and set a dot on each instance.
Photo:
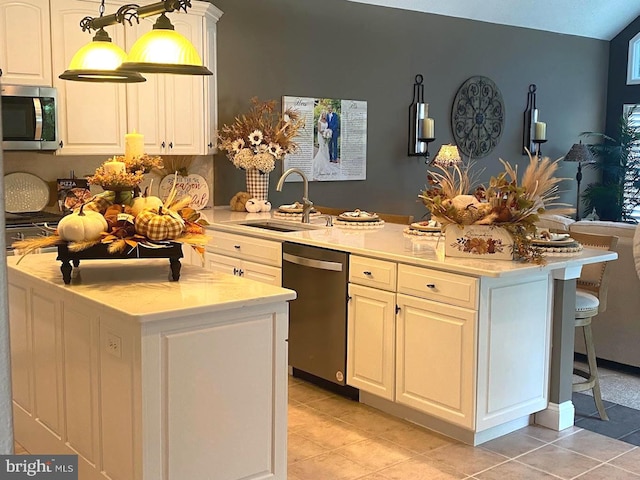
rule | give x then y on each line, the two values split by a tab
340	49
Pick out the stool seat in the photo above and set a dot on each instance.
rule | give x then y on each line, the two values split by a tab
586	304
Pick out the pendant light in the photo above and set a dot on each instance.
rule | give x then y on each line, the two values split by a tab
97	62
163	50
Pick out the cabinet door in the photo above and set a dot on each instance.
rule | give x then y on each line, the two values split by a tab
220	263
436	359
92	116
211	82
261	273
371	340
25	42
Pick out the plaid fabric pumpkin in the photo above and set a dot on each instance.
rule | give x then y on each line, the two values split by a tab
159	225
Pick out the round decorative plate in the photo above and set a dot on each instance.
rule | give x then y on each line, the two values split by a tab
477	117
358	216
291	208
24	192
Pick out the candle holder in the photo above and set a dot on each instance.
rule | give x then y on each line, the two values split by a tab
530	119
419	137
537	151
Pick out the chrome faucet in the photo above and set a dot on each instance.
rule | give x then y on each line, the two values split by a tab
307	204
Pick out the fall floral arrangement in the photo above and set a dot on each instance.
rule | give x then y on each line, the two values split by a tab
262	136
453	197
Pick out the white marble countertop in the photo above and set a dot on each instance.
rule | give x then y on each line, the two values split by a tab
141	289
390	243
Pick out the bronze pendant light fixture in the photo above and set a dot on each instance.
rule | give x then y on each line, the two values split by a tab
162	50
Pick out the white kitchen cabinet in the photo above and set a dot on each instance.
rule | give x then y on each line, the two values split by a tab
25	42
176	112
247	257
92	117
371	340
436	359
189	385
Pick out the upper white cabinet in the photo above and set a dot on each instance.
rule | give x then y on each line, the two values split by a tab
92	116
25	42
177	114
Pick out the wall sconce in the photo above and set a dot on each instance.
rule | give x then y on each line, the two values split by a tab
447	156
579	153
162	50
421	127
534	132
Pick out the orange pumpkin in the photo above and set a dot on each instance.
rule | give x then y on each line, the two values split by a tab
159	224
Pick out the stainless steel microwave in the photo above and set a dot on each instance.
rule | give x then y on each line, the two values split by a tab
29	118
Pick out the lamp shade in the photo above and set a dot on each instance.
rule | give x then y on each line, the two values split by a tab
163	50
579	153
448	156
97	62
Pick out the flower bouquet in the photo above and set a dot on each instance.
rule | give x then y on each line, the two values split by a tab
454	200
259	138
327	134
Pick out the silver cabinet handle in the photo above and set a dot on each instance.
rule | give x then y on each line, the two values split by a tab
431	285
367	273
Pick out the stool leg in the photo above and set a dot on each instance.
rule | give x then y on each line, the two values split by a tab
593	371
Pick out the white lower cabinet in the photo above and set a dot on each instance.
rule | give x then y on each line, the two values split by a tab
436	359
471	352
191	396
248	257
371	340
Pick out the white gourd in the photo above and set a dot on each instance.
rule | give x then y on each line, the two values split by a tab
82	226
252	205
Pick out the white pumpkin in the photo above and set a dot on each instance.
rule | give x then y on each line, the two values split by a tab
145	202
253	205
82	226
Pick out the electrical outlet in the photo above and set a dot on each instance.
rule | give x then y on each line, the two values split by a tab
114	345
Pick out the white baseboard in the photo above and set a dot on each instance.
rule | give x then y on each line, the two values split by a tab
557	416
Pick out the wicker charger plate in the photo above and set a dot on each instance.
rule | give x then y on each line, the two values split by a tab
24	192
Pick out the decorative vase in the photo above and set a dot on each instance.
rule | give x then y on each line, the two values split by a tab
257	183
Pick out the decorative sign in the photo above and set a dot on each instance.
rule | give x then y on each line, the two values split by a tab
477	117
333	143
193	184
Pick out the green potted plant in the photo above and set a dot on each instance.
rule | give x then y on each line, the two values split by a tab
619	167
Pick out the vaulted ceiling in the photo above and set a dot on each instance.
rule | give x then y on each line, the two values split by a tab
601	19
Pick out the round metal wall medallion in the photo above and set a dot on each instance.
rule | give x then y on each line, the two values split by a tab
477	117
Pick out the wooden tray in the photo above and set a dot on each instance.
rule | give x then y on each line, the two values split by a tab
173	251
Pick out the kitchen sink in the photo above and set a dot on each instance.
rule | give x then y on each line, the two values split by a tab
278	226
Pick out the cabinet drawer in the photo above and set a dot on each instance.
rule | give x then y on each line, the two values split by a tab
373	273
439	286
246	248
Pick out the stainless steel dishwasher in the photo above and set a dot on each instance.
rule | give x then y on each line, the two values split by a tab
318	316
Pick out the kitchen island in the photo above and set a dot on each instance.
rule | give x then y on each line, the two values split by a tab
145	378
469	347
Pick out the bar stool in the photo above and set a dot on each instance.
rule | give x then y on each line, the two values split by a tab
591	299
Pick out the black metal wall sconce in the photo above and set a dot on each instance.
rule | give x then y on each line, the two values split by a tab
534	132
421	127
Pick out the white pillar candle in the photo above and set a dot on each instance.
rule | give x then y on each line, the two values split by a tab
428	128
540	131
114	167
133	145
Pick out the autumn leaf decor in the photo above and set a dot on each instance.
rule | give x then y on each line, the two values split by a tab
454	197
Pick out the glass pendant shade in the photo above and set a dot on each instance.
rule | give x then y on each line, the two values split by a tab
97	62
163	50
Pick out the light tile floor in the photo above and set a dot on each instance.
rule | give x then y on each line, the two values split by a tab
333	438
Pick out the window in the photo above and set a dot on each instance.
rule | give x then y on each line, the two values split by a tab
631	199
633	65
